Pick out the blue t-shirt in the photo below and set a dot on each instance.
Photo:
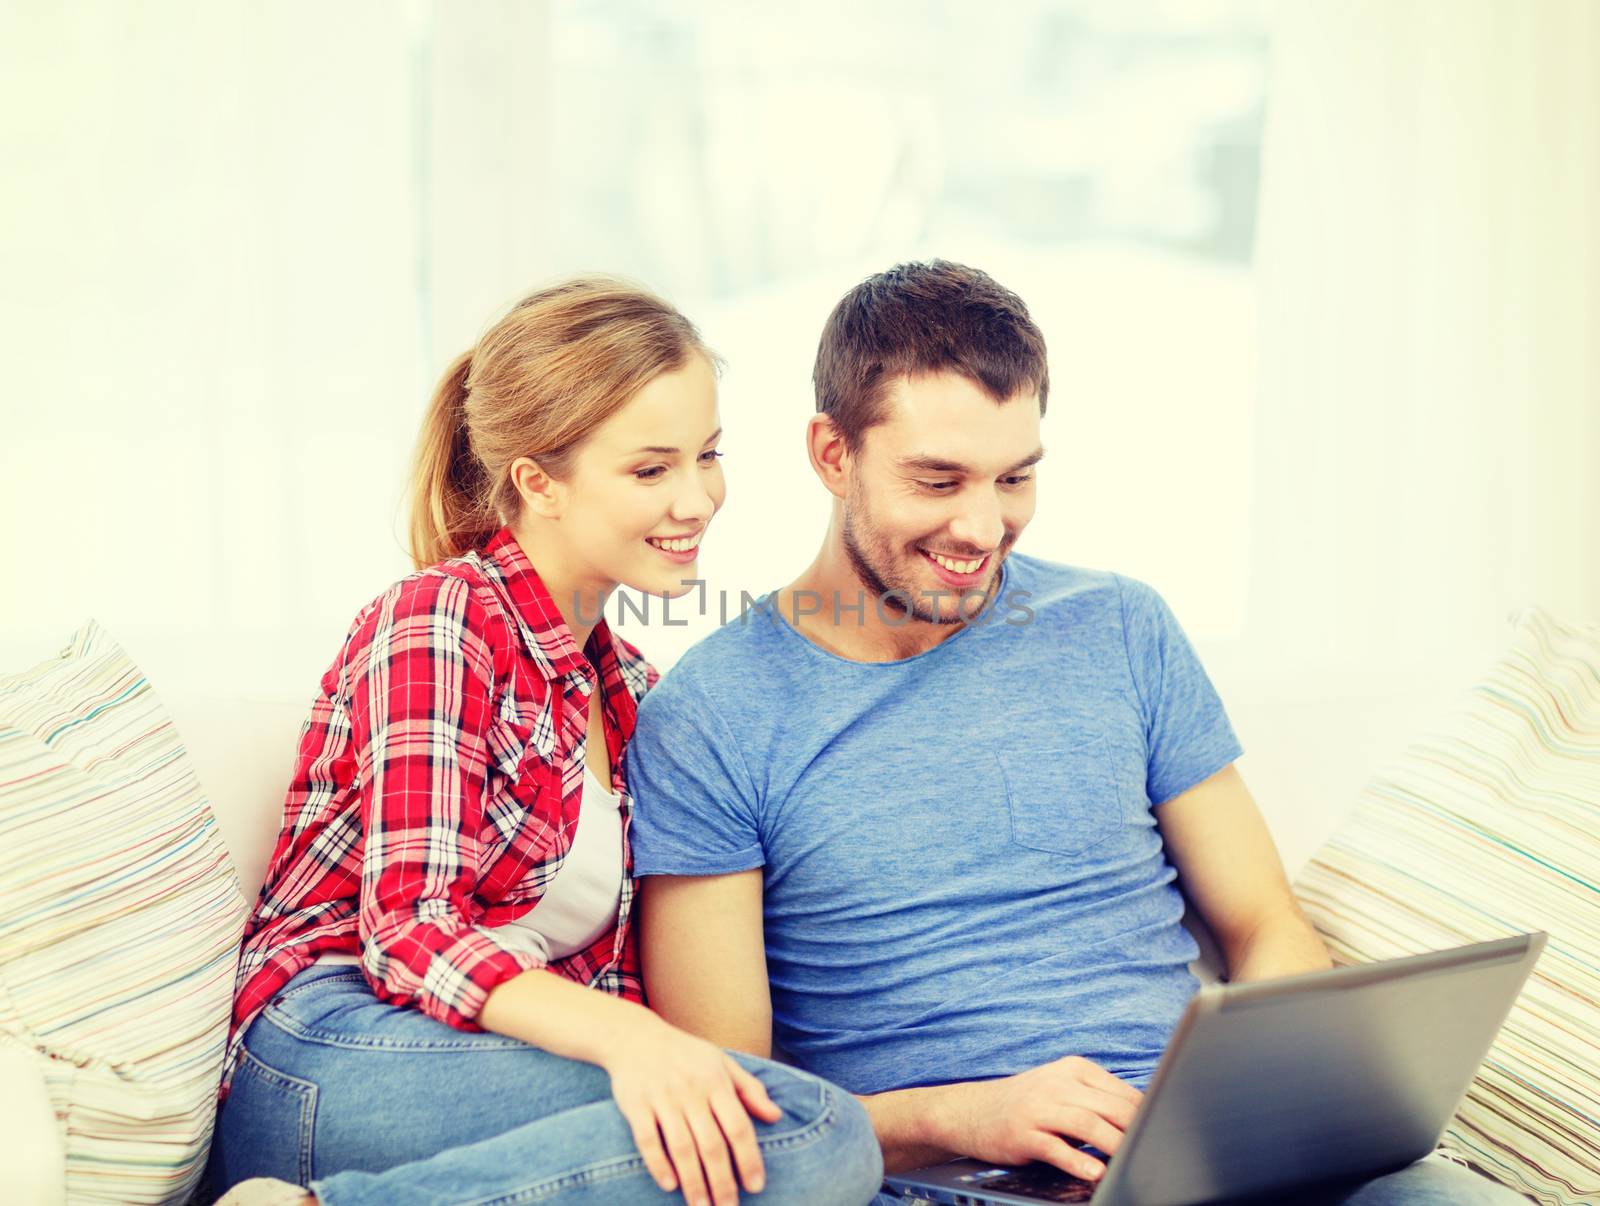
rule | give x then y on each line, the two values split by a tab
963	878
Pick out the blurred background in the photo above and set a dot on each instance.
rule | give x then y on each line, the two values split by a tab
1320	281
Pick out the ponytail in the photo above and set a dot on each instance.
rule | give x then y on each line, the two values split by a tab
450	510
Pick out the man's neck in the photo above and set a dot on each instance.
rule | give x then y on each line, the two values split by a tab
831	607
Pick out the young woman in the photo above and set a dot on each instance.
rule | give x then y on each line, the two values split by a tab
438	996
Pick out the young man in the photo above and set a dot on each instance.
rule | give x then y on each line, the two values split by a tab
923	817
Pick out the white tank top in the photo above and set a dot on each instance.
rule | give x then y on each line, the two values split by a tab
581	902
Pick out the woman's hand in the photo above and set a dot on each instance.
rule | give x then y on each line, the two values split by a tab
689	1104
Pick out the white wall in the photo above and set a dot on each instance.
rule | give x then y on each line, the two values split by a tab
238	242
1428	430
232	237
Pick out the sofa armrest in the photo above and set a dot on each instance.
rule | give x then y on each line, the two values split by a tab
34	1170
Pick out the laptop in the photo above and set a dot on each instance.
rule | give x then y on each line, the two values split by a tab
1278	1084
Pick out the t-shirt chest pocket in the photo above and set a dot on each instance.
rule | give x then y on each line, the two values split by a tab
1064	801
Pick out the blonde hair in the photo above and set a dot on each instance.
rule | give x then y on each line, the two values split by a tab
538	383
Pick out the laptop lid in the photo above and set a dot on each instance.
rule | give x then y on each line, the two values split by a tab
1329	1075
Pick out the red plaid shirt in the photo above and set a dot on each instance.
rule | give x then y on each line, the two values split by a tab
436	793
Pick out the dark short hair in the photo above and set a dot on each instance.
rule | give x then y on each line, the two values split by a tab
924	318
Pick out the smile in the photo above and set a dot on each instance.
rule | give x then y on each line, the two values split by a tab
683	545
953	565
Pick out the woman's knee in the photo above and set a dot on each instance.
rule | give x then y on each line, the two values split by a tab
823	1149
858	1159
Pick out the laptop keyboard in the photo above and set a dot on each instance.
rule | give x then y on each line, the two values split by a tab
1046	1184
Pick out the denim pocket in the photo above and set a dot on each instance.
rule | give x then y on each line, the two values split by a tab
266	1124
1063	801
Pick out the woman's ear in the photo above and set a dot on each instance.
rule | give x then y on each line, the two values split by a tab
540	493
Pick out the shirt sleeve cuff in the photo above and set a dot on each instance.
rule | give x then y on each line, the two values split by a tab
1193	776
460	978
680	863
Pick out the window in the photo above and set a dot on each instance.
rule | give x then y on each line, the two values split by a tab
1100	159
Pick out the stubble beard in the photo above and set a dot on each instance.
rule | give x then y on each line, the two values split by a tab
893	597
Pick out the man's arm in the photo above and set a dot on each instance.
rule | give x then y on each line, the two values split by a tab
705	957
705	970
1229	868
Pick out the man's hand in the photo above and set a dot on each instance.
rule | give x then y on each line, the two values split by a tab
1031	1116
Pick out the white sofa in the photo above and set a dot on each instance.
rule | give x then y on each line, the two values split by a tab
241	750
1310	746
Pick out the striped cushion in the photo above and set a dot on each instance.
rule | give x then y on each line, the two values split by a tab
120	916
1491	827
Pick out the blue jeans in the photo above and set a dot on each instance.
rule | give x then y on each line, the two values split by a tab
1433	1181
370	1103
